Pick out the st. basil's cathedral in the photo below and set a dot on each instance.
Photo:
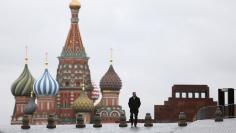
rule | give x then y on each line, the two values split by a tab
72	92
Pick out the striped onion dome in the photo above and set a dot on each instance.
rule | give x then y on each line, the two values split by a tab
83	103
110	81
23	85
46	85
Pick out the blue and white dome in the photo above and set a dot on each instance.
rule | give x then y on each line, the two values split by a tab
46	85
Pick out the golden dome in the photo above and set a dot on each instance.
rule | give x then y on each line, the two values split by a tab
83	103
75	4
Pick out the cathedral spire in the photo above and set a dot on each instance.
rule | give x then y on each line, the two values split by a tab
46	60
111	80
111	60
74	47
73	73
74	6
26	54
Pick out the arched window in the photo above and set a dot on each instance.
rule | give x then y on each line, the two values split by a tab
114	114
104	114
77	83
67	83
70	66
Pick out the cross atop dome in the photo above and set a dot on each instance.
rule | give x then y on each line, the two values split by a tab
46	60
26	54
111	80
23	85
111	60
46	85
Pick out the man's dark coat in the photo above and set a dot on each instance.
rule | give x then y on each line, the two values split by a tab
134	104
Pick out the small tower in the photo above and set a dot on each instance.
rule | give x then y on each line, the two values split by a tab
21	89
73	62
45	89
84	105
110	84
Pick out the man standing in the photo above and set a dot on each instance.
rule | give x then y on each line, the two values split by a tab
134	104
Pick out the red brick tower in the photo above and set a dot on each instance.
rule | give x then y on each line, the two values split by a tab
73	63
109	108
45	88
185	98
21	90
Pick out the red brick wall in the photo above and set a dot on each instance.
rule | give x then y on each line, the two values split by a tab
21	101
169	112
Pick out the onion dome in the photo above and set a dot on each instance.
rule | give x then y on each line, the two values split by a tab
46	85
83	103
30	107
23	85
75	4
110	81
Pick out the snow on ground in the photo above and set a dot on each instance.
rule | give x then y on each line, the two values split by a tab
107	128
210	126
201	126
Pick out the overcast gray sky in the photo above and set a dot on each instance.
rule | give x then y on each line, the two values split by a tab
157	43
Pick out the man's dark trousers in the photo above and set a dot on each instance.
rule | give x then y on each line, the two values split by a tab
133	118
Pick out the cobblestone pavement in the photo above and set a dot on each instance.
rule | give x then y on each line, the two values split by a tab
201	126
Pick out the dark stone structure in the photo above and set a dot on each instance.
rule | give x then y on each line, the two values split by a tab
97	121
80	121
230	108
218	115
123	122
25	122
185	98
182	119
51	122
148	120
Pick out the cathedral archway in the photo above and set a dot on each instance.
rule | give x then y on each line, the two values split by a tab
115	114
104	114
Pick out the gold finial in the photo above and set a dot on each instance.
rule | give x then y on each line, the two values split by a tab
46	60
32	93
111	56
75	4
26	55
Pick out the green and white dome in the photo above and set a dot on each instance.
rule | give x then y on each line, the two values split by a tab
23	85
